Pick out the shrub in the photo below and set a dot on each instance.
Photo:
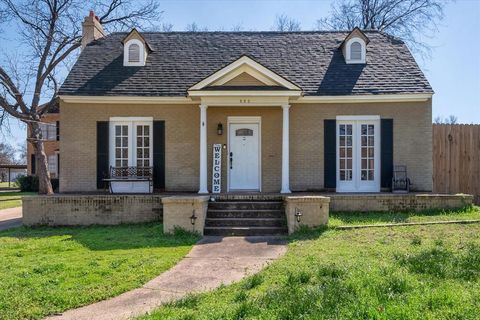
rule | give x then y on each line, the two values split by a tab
30	184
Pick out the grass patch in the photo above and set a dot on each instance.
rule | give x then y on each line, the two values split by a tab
413	272
49	270
10	204
362	218
14	199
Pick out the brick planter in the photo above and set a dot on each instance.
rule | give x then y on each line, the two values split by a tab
178	210
314	211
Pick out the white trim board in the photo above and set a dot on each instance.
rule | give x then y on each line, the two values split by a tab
360	117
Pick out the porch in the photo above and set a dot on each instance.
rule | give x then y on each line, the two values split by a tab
189	210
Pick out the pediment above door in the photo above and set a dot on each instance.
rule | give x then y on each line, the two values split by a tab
244	74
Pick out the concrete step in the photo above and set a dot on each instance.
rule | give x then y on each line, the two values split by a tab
245	222
245	231
263	213
245	205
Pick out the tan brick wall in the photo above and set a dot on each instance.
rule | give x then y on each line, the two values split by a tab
62	210
78	142
50	146
412	139
398	202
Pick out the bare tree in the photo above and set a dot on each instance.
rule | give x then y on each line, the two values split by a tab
283	23
237	28
410	20
451	119
50	34
194	27
167	27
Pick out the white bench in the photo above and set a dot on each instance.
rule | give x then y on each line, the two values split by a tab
130	180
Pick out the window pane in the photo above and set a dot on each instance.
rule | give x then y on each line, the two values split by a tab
370	152
349	129
349	163
342	141
146	142
364	141
125	142
349	152
349	140
364	175
342	129
125	130
146	153
342	164
364	129
342	175
371	141
371	164
370	129
371	175
342	152
364	152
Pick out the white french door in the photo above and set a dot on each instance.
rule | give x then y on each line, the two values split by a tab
131	142
358	154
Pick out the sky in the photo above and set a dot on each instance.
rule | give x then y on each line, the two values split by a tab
453	69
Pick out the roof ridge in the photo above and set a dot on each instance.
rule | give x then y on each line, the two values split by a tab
248	32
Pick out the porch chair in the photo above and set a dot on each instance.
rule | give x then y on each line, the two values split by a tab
400	181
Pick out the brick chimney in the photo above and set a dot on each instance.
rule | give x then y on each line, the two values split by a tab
92	29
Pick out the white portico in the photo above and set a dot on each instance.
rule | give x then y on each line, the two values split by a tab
244	84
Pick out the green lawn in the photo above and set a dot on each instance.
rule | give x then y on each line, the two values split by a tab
413	272
360	218
14	199
49	270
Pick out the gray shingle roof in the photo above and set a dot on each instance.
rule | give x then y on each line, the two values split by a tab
311	60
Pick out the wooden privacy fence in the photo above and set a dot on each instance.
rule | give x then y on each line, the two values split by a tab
456	159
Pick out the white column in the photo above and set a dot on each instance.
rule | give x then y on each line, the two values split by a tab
203	149
285	151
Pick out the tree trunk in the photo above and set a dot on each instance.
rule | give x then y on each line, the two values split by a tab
44	183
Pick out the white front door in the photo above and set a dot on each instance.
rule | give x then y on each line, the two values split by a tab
244	156
358	155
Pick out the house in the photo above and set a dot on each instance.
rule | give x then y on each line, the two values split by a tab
236	112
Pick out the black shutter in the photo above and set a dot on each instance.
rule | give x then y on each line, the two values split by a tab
58	165
159	154
102	153
386	159
33	164
330	154
58	130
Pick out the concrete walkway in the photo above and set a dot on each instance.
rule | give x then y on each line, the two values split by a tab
212	261
10	218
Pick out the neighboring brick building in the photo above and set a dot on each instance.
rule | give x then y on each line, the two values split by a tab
295	111
51	133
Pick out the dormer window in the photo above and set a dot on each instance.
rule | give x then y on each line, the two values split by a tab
354	47
135	49
355	51
134	53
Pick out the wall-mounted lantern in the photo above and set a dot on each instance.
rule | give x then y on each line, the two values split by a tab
220	129
298	214
193	218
